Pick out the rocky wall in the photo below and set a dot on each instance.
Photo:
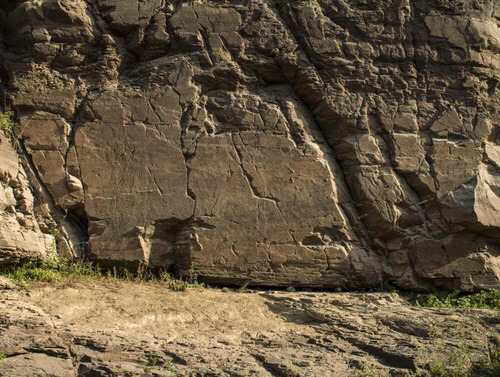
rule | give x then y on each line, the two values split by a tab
24	235
311	143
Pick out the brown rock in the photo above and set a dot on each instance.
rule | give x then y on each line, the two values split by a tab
282	143
125	328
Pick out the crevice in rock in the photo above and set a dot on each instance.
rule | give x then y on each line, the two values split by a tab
255	192
154	180
275	369
247	175
186	152
42	193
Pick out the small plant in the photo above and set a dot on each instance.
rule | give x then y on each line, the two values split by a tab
439	370
153	360
177	285
54	269
290	370
7	121
3	356
171	368
495	362
366	371
243	287
144	273
51	269
192	279
461	364
192	275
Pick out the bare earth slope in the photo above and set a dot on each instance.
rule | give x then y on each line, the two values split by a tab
109	328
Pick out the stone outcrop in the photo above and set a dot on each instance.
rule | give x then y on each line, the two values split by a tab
99	328
315	143
23	234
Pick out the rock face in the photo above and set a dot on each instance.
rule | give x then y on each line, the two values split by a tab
22	235
314	143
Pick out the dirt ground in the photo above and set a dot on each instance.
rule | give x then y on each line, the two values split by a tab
121	328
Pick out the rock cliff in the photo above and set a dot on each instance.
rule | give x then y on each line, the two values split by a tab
313	143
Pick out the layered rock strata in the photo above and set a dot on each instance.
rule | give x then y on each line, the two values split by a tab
113	328
315	143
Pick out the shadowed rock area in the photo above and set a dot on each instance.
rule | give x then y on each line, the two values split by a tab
309	143
138	329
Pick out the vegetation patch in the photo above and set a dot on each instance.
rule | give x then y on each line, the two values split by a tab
460	364
55	269
7	121
482	300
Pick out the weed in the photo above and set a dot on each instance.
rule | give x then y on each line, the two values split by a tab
55	269
192	275
482	300
243	287
153	360
366	371
51	270
439	370
435	336
7	121
192	279
3	356
290	370
460	364
171	368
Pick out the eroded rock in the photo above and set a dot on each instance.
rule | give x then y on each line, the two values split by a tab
293	143
21	237
91	328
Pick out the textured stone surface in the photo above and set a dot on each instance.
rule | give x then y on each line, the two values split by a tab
106	328
314	143
22	236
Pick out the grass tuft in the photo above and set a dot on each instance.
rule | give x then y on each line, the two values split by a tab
7	121
55	269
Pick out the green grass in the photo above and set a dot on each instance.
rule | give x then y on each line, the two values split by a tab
7	121
482	300
153	360
366	371
243	287
459	363
171	368
55	269
48	271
